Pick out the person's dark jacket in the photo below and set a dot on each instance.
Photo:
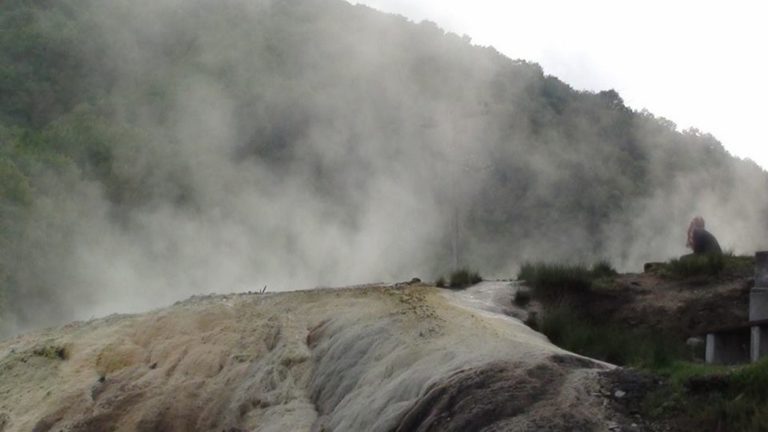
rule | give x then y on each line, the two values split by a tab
705	243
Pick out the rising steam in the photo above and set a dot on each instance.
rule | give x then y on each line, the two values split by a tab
319	144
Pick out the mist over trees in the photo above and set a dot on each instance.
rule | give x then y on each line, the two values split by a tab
153	150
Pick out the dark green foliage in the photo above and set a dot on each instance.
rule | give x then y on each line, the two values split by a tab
697	265
753	380
552	282
440	282
14	185
603	268
713	397
40	75
707	266
566	327
462	278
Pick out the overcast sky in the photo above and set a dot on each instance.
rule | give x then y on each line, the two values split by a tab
701	64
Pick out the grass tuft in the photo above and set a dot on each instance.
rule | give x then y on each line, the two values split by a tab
463	278
53	352
707	266
712	397
458	279
554	282
569	329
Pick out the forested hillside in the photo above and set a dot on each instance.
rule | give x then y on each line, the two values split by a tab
150	150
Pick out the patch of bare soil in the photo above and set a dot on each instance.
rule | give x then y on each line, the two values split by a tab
625	390
682	307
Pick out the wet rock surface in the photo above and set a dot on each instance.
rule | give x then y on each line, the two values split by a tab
372	358
493	397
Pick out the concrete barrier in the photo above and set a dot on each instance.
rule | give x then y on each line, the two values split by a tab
758	308
747	342
758	296
732	347
761	269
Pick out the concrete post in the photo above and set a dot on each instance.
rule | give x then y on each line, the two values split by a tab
758	347
711	348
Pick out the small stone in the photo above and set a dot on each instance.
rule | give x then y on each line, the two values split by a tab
619	394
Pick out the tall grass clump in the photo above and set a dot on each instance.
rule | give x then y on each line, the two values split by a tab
708	266
555	281
714	397
463	278
696	265
458	279
603	268
743	404
569	329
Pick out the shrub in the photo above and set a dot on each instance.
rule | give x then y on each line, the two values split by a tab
753	380
708	266
603	268
527	272
463	278
554	281
714	397
569	329
696	265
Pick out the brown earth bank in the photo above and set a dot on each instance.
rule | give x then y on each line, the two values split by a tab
681	307
383	358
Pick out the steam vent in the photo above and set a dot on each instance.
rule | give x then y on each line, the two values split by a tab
396	358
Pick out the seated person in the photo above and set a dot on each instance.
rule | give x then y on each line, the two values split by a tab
701	240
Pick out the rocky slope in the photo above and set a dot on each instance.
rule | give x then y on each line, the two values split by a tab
394	358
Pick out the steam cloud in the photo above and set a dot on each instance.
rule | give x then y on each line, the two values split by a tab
297	146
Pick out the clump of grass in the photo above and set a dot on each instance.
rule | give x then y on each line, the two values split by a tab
752	381
553	282
54	352
603	268
458	279
714	397
569	329
696	265
709	266
463	278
